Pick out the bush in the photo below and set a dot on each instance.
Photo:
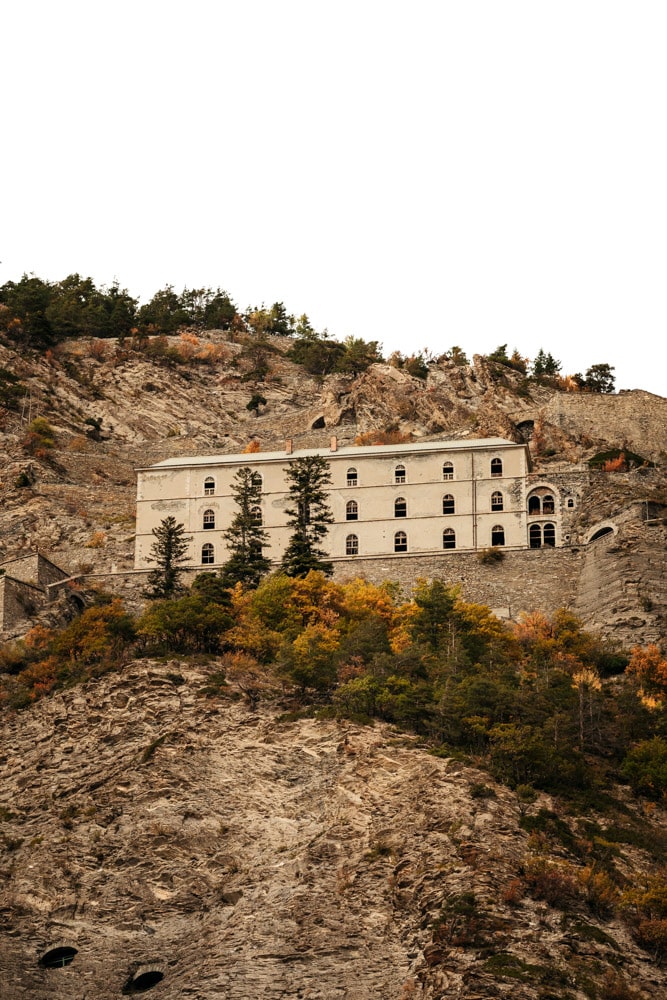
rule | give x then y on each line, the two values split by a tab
552	883
491	555
39	438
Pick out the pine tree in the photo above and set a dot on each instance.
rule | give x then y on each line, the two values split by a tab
539	364
309	514
245	535
168	550
551	366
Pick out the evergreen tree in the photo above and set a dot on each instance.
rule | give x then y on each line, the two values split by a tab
309	514
551	366
539	364
245	535
599	378
168	550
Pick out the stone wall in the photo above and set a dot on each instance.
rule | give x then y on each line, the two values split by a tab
622	590
35	569
525	579
18	601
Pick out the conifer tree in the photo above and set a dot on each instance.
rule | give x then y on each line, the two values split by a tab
168	550
309	514
245	536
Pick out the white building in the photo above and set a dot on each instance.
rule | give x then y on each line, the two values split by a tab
387	500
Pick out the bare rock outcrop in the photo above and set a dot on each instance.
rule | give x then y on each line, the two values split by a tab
238	855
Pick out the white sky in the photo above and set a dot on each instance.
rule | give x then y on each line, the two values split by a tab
474	172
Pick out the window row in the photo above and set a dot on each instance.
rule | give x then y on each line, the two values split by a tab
448	540
352	509
401	475
401	506
539	536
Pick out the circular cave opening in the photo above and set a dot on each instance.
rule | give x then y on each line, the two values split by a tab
57	958
144	981
318	423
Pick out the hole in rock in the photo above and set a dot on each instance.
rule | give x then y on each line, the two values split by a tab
144	981
57	958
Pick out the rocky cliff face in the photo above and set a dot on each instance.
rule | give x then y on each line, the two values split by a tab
236	855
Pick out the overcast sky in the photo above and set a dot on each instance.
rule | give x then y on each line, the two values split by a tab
424	174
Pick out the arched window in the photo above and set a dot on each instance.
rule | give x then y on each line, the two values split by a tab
352	478
534	505
548	505
207	554
496	466
209	520
209	486
497	535
399	474
256	515
550	534
448	504
400	507
352	545
570	502
448	471
351	510
400	542
449	538
257	480
535	536
58	958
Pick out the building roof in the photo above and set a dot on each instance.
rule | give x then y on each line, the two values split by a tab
350	451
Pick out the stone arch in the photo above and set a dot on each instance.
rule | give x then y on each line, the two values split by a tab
600	530
526	429
318	423
144	979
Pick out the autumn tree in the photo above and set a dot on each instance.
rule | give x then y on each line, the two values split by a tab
649	667
168	550
245	536
308	515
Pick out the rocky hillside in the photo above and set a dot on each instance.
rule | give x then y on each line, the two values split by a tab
185	842
114	409
234	853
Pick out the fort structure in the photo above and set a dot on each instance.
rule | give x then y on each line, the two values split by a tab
394	501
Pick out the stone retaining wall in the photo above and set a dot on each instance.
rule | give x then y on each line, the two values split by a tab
521	581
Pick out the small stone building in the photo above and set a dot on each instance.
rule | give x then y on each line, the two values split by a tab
24	587
435	497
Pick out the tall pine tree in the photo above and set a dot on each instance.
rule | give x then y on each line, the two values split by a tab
168	550
245	536
309	515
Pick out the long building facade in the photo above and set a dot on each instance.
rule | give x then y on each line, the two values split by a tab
387	500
